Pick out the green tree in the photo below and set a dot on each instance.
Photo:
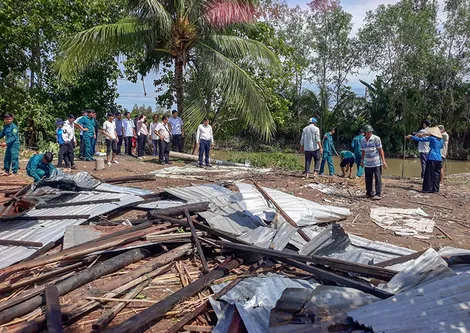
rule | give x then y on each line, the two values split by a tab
191	34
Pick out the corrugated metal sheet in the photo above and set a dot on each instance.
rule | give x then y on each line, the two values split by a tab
216	194
283	236
427	268
404	222
103	187
255	297
255	202
82	179
46	231
236	223
332	239
261	236
161	204
440	306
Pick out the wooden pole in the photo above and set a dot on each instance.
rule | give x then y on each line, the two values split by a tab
75	281
175	211
196	241
10	242
53	313
282	212
159	309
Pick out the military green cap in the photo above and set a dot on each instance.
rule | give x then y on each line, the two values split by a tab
368	129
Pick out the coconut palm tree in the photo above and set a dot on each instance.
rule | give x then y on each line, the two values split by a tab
194	35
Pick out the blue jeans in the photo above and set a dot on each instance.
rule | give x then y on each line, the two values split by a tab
360	170
204	148
327	158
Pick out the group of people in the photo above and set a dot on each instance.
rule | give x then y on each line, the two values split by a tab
369	156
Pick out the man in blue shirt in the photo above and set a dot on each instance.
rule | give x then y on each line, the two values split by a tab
356	145
40	166
177	131
119	131
128	132
12	141
328	150
88	124
63	148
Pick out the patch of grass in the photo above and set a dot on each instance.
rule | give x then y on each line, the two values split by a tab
267	160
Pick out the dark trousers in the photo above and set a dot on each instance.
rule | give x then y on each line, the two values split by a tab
177	144
423	158
308	160
141	140
119	144
70	152
128	142
156	144
371	173
60	157
65	155
204	148
164	154
82	146
432	176
93	146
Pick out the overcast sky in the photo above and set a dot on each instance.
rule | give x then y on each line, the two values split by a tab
130	94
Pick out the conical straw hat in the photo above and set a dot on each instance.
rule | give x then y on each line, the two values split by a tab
435	131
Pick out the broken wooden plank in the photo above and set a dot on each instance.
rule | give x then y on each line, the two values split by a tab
175	211
282	212
11	242
53	313
78	203
81	250
442	231
336	264
159	309
341	280
109	315
195	328
190	316
75	281
400	259
196	241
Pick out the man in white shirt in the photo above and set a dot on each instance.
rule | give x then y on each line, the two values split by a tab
68	134
310	143
109	131
423	147
163	133
205	139
177	131
128	132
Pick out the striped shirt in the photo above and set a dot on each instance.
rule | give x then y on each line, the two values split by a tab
372	148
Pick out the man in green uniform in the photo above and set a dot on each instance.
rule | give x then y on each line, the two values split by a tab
347	162
88	124
40	166
12	141
356	145
328	150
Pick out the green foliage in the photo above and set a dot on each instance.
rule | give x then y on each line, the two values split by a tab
48	146
268	160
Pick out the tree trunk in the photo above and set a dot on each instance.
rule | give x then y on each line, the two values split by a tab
179	84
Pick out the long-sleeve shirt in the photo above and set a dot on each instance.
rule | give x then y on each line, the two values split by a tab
35	163
138	126
68	131
423	147
310	138
204	133
328	145
435	146
445	138
10	133
118	123
59	134
143	129
128	125
356	145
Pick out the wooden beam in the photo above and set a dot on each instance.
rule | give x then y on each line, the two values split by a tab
341	280
81	250
75	281
195	328
11	242
125	179
336	264
196	241
400	259
53	313
175	211
196	312
282	212
159	309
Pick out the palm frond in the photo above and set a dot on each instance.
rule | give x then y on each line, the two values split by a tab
237	89
239	47
221	13
87	46
154	11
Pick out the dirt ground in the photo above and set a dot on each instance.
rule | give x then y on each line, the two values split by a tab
449	209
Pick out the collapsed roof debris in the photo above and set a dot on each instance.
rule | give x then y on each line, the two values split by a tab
275	262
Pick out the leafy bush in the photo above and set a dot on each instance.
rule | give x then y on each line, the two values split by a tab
267	160
45	146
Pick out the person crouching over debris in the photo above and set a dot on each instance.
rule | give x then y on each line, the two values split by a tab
40	166
347	162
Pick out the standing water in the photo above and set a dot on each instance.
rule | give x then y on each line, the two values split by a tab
412	165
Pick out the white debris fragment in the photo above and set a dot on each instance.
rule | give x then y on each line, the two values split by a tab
404	222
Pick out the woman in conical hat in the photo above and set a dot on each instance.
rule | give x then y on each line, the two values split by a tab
434	162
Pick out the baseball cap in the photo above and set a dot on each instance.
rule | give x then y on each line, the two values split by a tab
312	120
